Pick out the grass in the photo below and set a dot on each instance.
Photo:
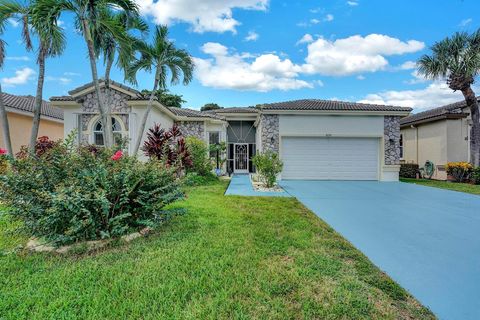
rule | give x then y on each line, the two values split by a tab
461	187
227	258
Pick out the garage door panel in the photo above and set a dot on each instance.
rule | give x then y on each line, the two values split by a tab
320	158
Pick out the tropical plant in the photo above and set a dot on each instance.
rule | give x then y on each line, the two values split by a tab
3	161
168	146
456	59
210	106
89	17
268	166
166	98
201	163
106	44
42	145
476	175
460	171
217	154
51	44
163	57
67	196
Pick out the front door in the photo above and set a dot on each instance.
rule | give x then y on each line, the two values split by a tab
241	158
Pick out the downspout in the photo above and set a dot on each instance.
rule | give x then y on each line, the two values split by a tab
469	125
416	143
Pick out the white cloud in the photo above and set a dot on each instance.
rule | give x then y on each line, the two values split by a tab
205	15
314	21
22	76
352	3
13	22
307	38
228	70
360	77
252	36
435	94
408	65
18	58
355	54
465	22
71	74
60	80
328	17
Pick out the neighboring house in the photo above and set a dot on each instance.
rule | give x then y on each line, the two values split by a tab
316	139
440	135
20	118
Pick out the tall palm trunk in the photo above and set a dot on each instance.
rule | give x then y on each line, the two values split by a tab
38	98
108	100
5	127
141	128
472	103
106	121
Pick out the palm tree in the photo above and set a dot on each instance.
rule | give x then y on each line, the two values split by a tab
51	43
3	111
456	59
105	44
163	57
88	17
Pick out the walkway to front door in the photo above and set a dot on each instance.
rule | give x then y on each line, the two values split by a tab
241	158
426	239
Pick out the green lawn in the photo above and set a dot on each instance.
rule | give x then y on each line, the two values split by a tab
462	187
227	258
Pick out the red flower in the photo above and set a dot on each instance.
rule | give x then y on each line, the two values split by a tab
3	152
117	155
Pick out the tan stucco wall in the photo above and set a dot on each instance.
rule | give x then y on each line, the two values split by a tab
440	142
21	126
457	140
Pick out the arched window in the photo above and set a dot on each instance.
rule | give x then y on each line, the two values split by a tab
98	132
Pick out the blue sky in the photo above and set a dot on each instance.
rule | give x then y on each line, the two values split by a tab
255	51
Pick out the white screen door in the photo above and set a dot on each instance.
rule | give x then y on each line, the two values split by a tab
241	158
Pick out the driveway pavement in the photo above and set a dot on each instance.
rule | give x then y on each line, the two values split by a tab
426	239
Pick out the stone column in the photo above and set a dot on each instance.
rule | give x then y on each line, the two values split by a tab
270	136
392	140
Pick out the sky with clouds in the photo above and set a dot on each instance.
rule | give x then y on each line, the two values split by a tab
249	52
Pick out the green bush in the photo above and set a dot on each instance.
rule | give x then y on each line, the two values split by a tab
194	179
409	170
68	194
268	166
460	171
476	175
198	150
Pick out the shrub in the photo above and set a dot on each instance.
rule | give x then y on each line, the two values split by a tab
460	171
168	146
476	175
268	166
68	194
42	145
198	149
194	179
409	170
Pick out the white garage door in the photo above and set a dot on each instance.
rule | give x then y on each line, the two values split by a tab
314	158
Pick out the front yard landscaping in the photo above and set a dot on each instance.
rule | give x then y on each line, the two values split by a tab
227	257
462	187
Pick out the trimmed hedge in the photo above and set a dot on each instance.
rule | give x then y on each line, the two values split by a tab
408	170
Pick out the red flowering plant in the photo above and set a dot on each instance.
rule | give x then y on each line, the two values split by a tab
117	155
3	161
42	146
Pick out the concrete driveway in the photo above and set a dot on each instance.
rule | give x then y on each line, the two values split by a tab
426	239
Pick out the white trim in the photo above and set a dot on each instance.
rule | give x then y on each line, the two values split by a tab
102	85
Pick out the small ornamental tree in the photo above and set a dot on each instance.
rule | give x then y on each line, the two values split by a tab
167	145
268	166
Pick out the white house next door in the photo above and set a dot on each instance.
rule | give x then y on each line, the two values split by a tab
241	158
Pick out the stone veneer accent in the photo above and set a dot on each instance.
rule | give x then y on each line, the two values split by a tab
118	100
192	128
269	124
391	126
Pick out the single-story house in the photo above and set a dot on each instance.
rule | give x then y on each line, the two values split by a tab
316	139
440	135
20	119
